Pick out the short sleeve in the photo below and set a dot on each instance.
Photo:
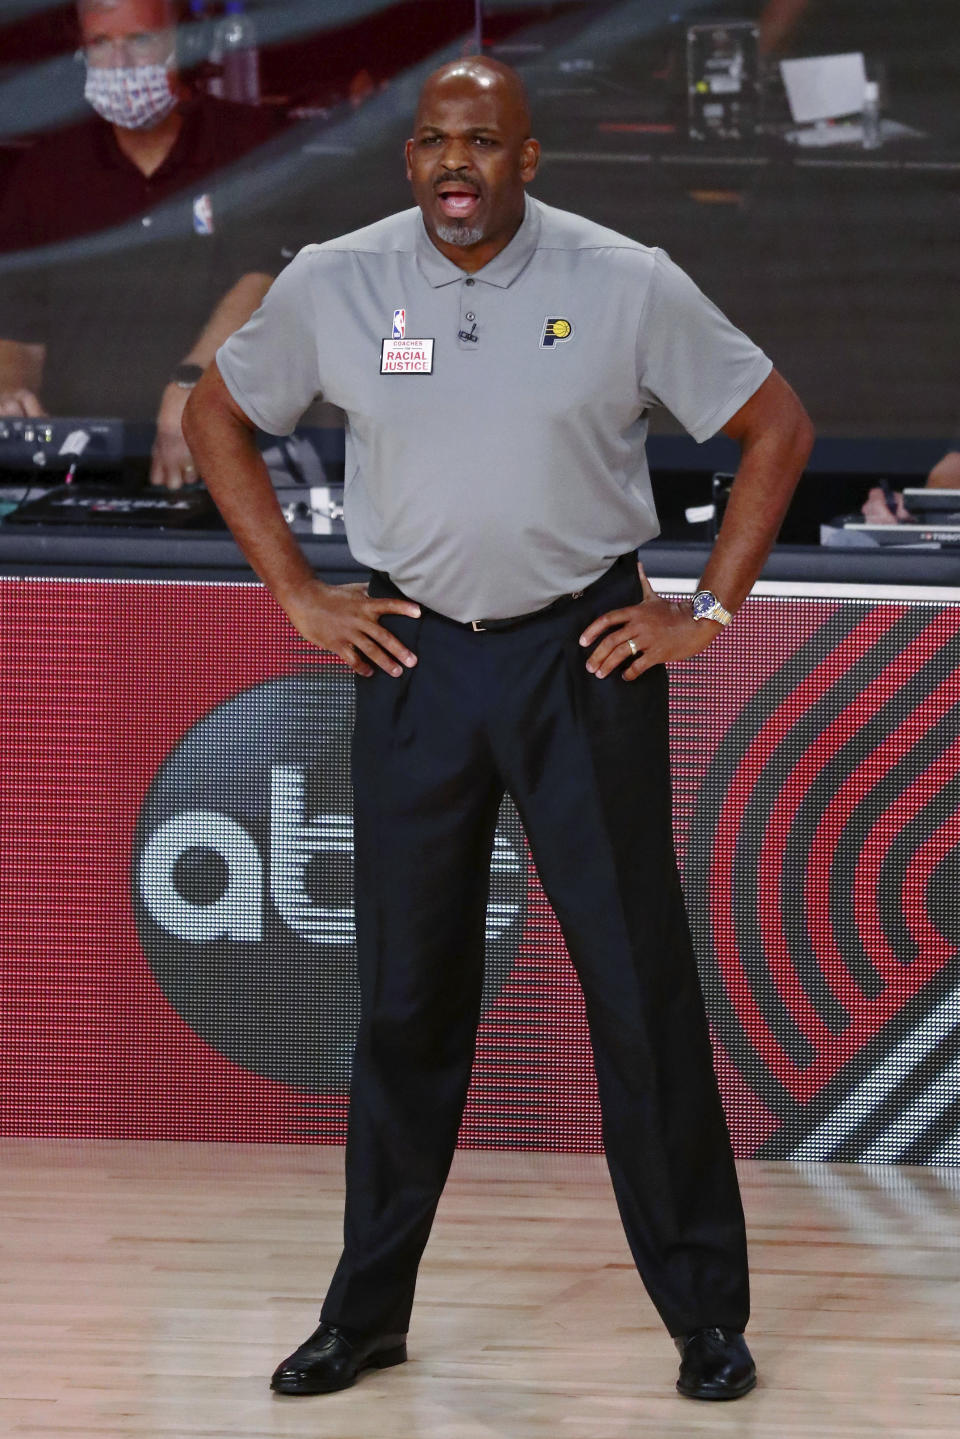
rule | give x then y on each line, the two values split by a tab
245	250
23	304
690	358
270	364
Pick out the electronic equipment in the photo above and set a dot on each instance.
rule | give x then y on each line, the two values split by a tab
932	501
824	87
724	90
833	102
55	443
143	507
904	535
691	503
933	524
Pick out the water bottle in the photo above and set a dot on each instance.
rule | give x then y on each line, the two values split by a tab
235	51
870	117
193	39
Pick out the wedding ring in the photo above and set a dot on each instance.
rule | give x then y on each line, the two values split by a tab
632	644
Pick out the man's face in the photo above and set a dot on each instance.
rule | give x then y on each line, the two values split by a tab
130	33
468	163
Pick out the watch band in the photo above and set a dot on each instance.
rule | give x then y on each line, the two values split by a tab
706	606
186	375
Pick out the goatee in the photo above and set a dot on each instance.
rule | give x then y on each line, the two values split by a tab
460	233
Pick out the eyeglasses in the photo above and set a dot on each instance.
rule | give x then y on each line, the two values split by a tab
140	48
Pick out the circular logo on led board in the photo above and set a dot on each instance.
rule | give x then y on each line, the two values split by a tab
242	879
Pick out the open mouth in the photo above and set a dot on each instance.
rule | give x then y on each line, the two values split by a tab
458	202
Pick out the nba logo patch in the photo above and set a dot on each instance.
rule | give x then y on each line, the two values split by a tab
203	215
556	331
399	324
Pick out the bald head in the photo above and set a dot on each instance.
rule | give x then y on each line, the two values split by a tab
484	77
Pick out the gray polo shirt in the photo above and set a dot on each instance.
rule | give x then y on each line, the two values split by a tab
495	422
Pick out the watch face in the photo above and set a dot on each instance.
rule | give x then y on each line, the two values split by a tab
703	602
187	374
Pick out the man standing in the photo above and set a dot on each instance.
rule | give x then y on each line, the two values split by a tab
496	360
137	273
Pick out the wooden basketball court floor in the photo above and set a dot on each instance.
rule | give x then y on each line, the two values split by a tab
149	1290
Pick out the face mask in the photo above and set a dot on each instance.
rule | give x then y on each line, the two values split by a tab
135	97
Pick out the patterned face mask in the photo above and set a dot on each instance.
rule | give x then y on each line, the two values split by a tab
135	97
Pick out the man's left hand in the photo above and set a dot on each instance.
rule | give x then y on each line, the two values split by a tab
171	463
661	630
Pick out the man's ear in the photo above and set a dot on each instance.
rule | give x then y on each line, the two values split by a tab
529	160
407	152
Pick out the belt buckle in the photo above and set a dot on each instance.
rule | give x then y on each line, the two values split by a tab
478	627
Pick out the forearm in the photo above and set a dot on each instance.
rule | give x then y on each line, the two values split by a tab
232	311
222	442
21	366
776	437
945	474
172	463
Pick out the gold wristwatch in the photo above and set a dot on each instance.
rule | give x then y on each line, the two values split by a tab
706	606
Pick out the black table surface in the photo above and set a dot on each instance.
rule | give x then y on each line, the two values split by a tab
87	552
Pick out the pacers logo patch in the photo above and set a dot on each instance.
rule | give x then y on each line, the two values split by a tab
556	330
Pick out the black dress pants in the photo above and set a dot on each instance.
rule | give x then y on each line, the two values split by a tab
587	764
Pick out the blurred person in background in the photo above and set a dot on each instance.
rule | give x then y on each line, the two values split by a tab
146	273
886	507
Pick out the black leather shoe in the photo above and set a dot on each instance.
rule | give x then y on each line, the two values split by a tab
715	1364
332	1358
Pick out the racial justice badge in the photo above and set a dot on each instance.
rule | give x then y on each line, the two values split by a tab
406	357
400	356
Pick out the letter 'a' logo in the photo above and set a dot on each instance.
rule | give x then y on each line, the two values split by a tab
556	331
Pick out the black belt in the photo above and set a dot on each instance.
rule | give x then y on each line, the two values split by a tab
478	626
511	621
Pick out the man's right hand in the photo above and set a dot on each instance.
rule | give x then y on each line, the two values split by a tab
21	402
345	620
340	618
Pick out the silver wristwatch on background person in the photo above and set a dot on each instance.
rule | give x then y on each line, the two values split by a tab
706	606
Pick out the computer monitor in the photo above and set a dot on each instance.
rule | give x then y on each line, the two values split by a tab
824	87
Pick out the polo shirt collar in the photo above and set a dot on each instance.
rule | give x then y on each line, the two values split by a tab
502	270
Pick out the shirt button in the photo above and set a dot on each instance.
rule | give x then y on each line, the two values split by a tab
471	280
147	220
470	315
